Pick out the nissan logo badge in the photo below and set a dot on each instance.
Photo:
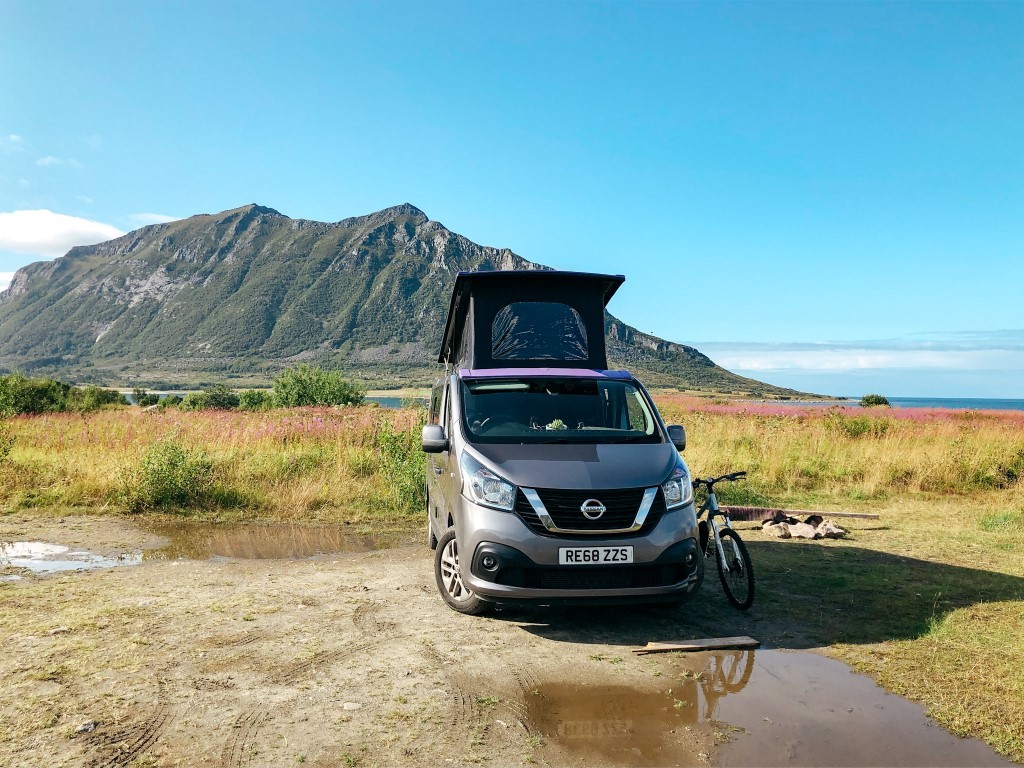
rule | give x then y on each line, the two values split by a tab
592	509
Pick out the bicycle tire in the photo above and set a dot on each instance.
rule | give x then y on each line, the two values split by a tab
741	571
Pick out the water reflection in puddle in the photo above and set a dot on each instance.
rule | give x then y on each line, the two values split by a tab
281	541
195	541
784	709
42	557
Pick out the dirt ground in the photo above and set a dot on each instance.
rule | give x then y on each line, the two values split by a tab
348	660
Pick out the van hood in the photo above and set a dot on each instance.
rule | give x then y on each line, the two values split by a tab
578	466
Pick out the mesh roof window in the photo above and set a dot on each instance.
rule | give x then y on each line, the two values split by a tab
538	330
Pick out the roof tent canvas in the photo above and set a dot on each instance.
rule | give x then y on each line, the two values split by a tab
528	319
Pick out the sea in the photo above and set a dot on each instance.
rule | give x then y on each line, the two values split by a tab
958	403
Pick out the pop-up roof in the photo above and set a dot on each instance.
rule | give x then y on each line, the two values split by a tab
528	319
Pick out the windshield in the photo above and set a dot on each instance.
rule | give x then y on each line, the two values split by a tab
557	410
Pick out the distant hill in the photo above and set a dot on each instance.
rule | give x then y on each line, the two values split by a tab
244	293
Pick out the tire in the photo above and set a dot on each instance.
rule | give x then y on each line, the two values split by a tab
449	579
738	582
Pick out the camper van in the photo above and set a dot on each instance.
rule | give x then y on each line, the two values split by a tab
550	478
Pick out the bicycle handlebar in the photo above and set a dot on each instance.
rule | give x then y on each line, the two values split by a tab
709	482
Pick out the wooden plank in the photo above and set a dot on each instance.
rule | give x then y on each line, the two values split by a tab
763	513
708	644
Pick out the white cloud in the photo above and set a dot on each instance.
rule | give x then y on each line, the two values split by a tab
49	161
48	234
5	280
974	352
12	142
151	218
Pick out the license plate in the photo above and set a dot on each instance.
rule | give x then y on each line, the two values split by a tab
595	555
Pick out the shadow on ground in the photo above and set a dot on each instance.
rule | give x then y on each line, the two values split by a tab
807	595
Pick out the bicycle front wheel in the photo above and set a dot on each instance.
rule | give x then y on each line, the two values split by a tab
737	573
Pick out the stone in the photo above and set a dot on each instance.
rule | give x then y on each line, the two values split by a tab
804	531
830	530
778	530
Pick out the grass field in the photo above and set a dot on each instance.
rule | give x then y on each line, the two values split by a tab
929	599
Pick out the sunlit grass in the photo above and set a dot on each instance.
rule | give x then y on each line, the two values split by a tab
305	463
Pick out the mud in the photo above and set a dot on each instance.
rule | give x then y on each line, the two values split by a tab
352	659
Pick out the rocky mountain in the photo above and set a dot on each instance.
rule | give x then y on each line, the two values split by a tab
243	293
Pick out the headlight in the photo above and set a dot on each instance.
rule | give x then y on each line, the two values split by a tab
484	487
678	489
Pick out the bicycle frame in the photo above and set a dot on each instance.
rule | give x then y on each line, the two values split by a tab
711	507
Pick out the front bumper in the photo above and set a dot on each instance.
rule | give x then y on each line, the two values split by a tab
666	563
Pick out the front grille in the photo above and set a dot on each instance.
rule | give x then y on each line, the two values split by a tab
564	507
615	577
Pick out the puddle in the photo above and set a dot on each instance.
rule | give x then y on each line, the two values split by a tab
801	709
780	709
196	541
42	557
246	541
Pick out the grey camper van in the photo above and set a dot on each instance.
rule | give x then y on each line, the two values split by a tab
550	479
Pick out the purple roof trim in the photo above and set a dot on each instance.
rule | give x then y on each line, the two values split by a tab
571	373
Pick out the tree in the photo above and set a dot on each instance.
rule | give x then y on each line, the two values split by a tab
869	401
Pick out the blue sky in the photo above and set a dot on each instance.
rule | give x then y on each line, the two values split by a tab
828	196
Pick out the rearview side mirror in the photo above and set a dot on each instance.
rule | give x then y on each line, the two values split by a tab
434	439
678	437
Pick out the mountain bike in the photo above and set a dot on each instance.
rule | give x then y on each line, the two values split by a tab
734	567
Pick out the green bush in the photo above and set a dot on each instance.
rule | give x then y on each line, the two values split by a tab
195	401
400	458
869	401
217	397
255	400
169	401
306	385
92	398
21	394
143	398
167	475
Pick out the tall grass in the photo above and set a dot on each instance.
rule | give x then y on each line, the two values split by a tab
315	463
846	455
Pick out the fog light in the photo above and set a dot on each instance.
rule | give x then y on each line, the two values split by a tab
490	562
690	560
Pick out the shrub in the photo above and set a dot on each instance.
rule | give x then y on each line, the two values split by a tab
20	394
168	474
217	397
169	401
255	400
306	385
143	398
869	401
92	398
195	401
221	397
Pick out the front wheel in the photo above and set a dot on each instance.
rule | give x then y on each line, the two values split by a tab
448	574
737	574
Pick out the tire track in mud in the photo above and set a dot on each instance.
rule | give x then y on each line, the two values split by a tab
121	747
373	632
238	751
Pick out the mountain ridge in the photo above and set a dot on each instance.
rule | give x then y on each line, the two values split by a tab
244	292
